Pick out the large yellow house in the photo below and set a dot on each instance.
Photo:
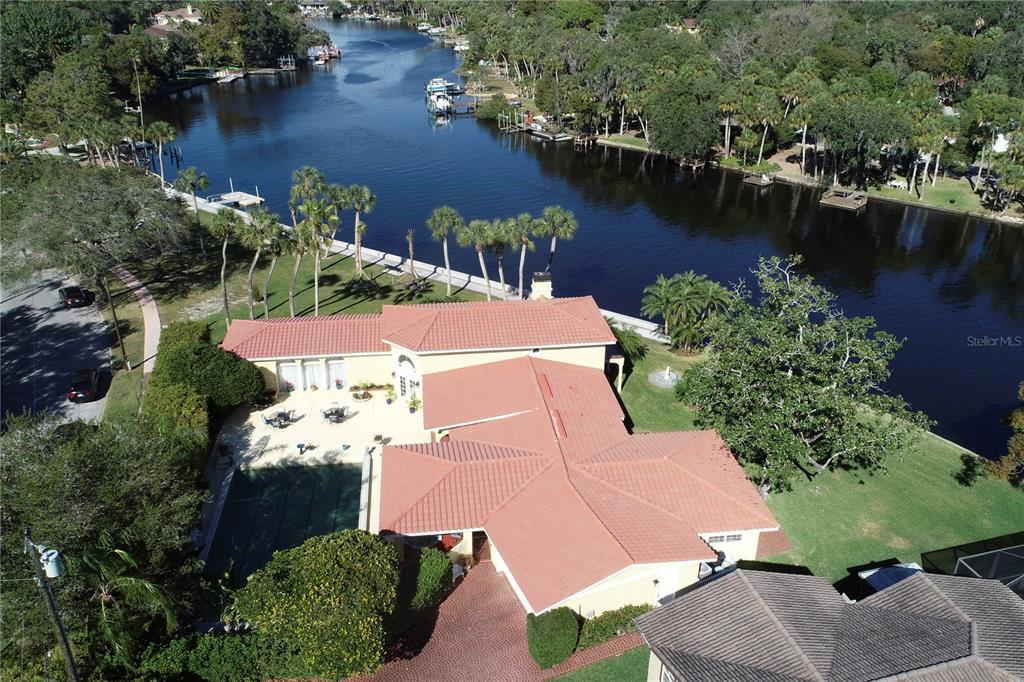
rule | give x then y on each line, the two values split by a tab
528	451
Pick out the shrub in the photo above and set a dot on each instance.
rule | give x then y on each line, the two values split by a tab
433	579
180	333
491	108
326	599
222	657
552	636
179	410
611	624
730	162
222	377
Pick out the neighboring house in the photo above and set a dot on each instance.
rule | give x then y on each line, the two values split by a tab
528	448
403	343
176	17
754	626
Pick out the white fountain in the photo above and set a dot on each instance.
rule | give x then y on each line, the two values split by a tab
665	378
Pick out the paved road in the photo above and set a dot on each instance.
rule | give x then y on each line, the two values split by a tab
42	343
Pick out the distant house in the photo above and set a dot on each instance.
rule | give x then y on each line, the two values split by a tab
176	17
752	626
689	25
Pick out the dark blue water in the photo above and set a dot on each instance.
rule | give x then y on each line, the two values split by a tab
953	286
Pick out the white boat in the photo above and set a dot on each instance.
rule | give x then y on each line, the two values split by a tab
423	27
319	62
461	47
438	85
436	31
439	104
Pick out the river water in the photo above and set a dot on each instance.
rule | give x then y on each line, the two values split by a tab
952	285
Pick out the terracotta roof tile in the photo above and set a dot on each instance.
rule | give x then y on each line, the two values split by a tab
299	337
496	324
547	468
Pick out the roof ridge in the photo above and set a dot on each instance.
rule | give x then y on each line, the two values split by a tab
785	631
593	512
451	467
921	575
515	493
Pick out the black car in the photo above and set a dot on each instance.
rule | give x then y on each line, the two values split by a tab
84	386
74	297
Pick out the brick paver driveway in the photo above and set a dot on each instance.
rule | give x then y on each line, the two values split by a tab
480	634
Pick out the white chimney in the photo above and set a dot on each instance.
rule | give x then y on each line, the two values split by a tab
190	11
541	287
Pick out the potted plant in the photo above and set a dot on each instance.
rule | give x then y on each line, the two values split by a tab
414	404
390	395
378	438
338	383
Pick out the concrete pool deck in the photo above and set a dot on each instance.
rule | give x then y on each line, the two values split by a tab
254	444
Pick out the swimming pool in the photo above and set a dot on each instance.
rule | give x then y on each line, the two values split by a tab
278	508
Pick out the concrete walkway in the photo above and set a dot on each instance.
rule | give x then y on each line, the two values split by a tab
150	317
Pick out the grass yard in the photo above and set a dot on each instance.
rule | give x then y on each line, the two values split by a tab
652	408
630	666
946	188
630	138
848	518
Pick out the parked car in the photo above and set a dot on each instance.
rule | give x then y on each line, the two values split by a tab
74	297
84	386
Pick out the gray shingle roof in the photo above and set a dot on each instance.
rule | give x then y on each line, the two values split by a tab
752	625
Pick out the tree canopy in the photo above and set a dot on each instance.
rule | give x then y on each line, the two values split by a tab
793	385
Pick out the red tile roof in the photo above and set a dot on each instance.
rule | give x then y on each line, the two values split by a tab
497	324
425	328
546	467
303	337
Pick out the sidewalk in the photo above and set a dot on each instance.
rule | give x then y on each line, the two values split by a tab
150	317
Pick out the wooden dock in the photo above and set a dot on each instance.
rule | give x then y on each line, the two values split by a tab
519	122
758	179
847	200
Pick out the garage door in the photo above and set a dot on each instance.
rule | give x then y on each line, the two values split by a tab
315	376
336	372
288	375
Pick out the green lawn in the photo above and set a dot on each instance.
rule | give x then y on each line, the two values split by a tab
125	395
847	518
652	408
630	139
628	667
946	188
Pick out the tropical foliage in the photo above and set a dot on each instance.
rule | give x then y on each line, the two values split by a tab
327	599
684	301
794	386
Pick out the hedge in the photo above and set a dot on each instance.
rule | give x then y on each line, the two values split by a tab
611	624
180	410
433	579
179	333
552	636
222	377
222	657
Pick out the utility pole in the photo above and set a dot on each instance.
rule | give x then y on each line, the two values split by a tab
54	570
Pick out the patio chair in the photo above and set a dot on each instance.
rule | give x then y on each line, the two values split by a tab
266	420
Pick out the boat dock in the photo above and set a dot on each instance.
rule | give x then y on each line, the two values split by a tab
235	198
758	179
848	200
230	78
519	122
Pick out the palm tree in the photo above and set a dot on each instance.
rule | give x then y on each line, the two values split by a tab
224	225
557	223
711	296
190	180
161	132
478	235
297	246
521	228
340	199
120	595
254	235
658	300
500	231
443	222
277	243
409	237
362	201
319	216
729	104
